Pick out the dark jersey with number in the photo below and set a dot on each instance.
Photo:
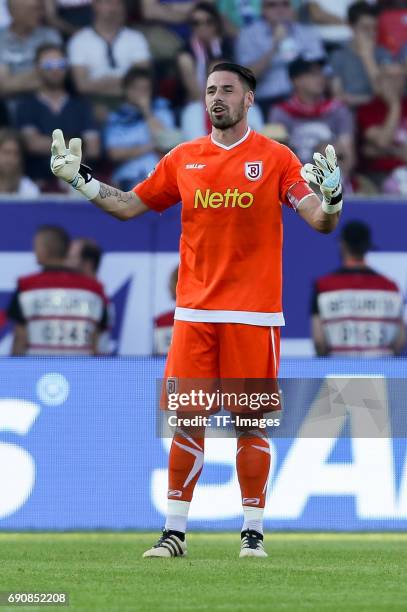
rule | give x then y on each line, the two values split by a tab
360	310
62	310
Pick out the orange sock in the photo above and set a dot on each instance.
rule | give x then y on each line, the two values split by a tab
185	466
253	466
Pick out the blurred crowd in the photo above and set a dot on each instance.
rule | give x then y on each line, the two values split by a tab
128	77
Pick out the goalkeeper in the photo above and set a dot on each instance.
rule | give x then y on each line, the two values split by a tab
228	315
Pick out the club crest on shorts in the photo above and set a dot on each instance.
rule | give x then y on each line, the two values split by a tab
253	170
171	385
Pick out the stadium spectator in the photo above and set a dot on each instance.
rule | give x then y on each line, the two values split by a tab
12	179
18	45
402	55
171	13
51	106
310	117
392	27
5	18
68	16
164	323
56	311
139	131
174	15
268	45
396	183
357	312
331	19
206	43
101	54
383	126
239	13
85	255
356	66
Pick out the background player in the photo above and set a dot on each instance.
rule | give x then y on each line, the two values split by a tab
47	307
228	312
355	310
86	255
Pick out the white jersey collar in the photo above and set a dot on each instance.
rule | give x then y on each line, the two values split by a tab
235	144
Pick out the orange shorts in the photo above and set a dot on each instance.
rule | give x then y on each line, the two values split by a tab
229	356
223	350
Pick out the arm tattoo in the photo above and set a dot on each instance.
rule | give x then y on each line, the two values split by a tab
120	204
121	196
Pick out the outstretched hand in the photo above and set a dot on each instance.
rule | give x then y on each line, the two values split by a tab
326	174
66	164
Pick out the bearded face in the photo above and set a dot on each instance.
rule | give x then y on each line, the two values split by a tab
226	99
223	116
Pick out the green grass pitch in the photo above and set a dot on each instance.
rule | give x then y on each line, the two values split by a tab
105	572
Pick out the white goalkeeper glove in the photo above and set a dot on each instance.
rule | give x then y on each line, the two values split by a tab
326	174
66	164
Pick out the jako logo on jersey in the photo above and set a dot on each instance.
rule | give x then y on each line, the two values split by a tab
228	199
253	170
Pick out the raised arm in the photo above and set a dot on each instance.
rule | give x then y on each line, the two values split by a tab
323	216
123	205
66	164
314	215
174	12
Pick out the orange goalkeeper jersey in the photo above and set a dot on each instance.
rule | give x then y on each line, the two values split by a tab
231	240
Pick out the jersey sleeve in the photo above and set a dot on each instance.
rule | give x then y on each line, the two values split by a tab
290	177
14	311
314	306
160	190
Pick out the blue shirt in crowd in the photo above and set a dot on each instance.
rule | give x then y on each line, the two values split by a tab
126	127
256	39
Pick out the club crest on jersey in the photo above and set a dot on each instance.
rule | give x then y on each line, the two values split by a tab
253	170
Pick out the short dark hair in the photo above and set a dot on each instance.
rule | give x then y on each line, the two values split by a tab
211	10
301	66
135	73
245	75
57	240
48	47
360	9
91	252
356	236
